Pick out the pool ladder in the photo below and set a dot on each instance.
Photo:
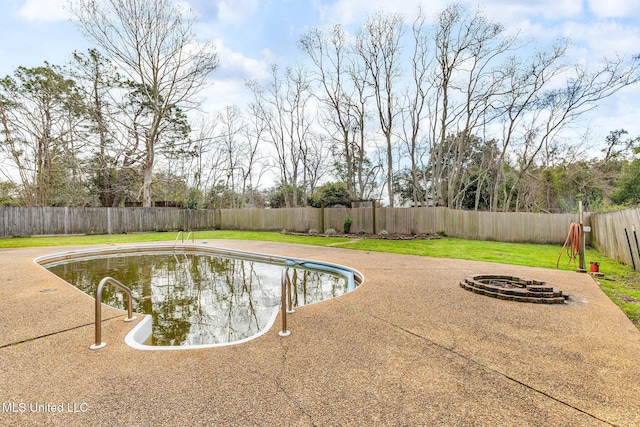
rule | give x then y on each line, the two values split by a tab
98	344
181	233
287	300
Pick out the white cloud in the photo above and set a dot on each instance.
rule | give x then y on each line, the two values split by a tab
236	11
504	11
353	11
229	79
44	10
268	55
615	8
604	38
237	65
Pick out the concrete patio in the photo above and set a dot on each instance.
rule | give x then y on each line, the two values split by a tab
410	347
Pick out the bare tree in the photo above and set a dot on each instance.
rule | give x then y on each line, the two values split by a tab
367	172
207	165
467	49
257	164
542	98
330	52
283	106
414	107
153	44
379	46
233	127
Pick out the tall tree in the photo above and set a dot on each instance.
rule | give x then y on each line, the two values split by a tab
329	52
152	42
379	46
40	110
96	77
467	49
414	110
234	146
282	104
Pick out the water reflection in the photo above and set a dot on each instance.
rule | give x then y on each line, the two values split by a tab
198	298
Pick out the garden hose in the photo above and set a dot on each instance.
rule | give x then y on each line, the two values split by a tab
572	243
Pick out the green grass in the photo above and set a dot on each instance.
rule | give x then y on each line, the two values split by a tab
621	283
506	253
75	240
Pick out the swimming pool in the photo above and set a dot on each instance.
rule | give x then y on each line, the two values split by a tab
196	296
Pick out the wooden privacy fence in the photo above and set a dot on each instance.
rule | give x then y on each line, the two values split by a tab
612	233
294	219
37	220
505	227
498	226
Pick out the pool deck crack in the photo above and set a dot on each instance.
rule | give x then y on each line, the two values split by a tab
281	386
473	361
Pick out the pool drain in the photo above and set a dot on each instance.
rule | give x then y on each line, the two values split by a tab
513	288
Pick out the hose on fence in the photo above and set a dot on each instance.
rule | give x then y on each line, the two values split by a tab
572	243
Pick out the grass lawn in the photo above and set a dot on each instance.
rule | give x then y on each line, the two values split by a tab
621	283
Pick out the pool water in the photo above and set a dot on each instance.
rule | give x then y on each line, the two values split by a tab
198	298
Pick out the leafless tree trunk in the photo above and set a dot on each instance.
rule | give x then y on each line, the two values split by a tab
282	105
414	106
464	83
378	44
366	173
329	53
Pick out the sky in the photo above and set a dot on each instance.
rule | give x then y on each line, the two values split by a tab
252	34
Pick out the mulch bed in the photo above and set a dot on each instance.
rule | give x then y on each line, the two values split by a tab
419	236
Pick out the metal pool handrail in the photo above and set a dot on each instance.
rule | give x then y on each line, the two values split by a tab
98	344
181	233
287	300
177	237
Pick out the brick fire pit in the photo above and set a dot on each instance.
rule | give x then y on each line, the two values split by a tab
512	288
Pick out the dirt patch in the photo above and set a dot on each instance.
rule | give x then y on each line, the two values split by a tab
627	298
633	282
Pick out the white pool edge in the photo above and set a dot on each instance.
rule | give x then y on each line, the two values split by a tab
142	331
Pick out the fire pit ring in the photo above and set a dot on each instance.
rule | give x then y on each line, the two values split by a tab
513	288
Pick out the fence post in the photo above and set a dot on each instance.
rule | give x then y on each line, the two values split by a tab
373	215
582	263
217	219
